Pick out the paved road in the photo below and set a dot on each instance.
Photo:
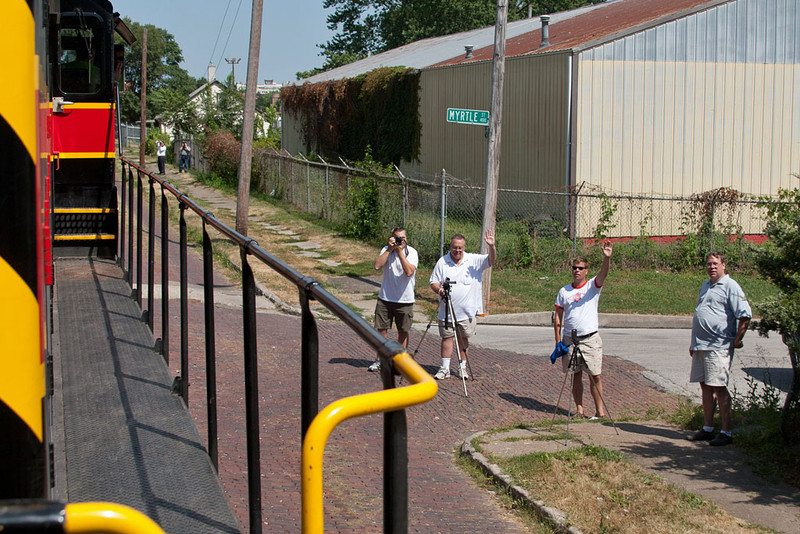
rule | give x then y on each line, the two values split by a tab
662	352
515	384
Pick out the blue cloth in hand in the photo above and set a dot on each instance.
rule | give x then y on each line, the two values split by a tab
559	351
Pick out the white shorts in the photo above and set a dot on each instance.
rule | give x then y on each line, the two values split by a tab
592	350
713	367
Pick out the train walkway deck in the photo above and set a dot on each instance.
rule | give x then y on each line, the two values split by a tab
119	434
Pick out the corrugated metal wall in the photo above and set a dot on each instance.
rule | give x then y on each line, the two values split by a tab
707	101
534	122
291	138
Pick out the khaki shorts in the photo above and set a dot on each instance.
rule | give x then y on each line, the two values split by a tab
592	350
713	367
401	312
466	328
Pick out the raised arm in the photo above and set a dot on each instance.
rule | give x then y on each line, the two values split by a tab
489	239
607	248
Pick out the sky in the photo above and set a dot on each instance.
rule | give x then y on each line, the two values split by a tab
290	33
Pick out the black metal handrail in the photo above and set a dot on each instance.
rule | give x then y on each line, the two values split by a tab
395	486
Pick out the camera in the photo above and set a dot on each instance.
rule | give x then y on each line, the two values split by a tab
446	284
398	240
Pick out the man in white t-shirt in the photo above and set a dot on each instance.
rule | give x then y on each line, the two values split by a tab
396	297
576	309
465	272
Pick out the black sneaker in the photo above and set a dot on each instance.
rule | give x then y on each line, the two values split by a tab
721	440
701	435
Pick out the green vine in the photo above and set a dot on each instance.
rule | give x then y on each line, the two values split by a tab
343	117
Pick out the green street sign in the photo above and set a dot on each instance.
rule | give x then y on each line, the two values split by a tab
468	116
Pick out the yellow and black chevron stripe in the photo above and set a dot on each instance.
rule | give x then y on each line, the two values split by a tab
22	384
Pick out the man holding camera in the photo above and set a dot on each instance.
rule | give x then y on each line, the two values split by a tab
458	275
576	310
396	297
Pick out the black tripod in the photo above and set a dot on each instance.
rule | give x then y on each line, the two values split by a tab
576	361
449	313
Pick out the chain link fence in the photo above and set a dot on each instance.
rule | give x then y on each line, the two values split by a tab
533	227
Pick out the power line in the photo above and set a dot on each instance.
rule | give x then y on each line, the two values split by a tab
233	24
221	23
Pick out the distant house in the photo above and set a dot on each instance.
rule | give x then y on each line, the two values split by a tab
644	97
269	86
212	88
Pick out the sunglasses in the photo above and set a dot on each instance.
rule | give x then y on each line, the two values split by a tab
578	268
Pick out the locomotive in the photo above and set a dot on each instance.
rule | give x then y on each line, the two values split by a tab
57	193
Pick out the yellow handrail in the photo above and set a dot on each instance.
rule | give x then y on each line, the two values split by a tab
422	389
91	517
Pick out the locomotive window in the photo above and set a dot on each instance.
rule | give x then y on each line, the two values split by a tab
80	57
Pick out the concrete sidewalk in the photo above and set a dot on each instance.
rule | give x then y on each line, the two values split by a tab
720	474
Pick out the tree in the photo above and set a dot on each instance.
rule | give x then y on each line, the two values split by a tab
368	27
163	71
779	261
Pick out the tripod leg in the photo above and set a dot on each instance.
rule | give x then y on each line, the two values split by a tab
560	393
569	403
458	353
455	329
469	367
430	323
603	401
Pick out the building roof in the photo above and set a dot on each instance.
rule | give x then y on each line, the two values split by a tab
428	52
575	29
611	20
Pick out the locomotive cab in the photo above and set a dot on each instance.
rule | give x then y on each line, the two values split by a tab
84	195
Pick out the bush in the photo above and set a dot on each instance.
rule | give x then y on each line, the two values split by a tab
363	209
222	152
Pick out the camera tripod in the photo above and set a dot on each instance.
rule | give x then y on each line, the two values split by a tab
450	313
576	361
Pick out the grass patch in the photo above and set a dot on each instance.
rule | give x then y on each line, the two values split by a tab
600	491
638	291
522	512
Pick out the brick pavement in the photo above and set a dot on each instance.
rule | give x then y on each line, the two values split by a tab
510	388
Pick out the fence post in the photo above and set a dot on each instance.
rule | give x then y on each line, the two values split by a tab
405	194
151	253
163	348
308	186
211	347
251	391
443	214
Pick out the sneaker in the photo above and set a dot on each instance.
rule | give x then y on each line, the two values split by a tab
376	366
721	440
701	435
463	374
444	372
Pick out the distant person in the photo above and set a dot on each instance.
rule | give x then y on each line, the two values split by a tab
186	152
719	324
576	309
161	152
398	261
465	271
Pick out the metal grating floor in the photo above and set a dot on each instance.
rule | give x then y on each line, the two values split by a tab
119	434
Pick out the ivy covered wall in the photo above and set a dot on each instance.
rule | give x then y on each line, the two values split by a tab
378	109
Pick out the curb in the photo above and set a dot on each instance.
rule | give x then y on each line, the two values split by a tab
553	516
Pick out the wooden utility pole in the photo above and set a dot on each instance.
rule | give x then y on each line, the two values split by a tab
495	123
246	160
143	100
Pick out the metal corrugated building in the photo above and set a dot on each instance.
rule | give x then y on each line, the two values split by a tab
646	97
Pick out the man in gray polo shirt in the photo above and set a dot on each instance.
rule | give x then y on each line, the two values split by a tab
720	322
